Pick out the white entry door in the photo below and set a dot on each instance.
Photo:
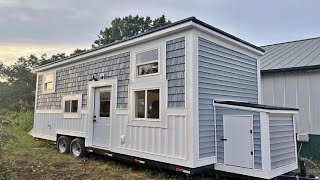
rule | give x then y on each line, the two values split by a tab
102	114
238	143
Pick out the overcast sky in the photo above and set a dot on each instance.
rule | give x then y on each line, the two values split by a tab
51	26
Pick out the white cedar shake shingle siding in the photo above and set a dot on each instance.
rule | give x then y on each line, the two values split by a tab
74	80
175	69
224	74
282	145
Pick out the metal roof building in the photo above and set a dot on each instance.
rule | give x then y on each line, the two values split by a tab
290	74
295	55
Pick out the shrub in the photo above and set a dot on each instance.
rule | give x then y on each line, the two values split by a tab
24	121
6	136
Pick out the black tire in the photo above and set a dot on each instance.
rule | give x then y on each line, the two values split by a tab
77	148
63	144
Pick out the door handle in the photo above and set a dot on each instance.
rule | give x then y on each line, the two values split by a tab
223	139
94	119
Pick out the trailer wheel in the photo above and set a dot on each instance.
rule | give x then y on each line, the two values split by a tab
77	148
63	144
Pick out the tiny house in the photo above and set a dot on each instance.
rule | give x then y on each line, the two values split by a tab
185	96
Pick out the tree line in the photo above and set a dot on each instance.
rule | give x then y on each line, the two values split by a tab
17	92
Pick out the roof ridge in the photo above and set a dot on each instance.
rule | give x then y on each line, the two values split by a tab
291	41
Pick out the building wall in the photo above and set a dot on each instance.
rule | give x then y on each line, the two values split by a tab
175	69
169	142
282	145
48	123
299	90
74	80
224	74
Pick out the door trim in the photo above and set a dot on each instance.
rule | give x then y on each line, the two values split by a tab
252	139
112	82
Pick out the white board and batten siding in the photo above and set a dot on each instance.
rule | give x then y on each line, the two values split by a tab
165	142
51	124
295	89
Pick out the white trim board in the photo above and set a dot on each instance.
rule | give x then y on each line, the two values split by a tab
256	109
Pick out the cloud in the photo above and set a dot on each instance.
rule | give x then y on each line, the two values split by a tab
9	53
61	24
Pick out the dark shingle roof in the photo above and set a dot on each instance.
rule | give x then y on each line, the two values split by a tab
294	55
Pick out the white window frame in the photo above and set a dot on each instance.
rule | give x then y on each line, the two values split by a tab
47	91
149	62
146	103
70	98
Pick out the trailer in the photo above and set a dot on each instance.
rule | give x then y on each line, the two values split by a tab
186	96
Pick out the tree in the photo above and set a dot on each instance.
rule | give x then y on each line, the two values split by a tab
122	28
78	51
17	92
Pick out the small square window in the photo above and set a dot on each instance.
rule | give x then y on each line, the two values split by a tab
71	106
147	104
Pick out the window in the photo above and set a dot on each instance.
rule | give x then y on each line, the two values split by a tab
147	62
48	82
147	104
104	104
71	106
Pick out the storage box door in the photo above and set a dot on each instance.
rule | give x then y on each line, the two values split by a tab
238	143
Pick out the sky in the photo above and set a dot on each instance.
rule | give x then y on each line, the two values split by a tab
55	26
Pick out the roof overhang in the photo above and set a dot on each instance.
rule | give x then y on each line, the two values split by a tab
172	28
302	68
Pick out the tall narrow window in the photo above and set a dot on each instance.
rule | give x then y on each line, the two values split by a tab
147	104
48	82
147	62
105	104
140	104
153	103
